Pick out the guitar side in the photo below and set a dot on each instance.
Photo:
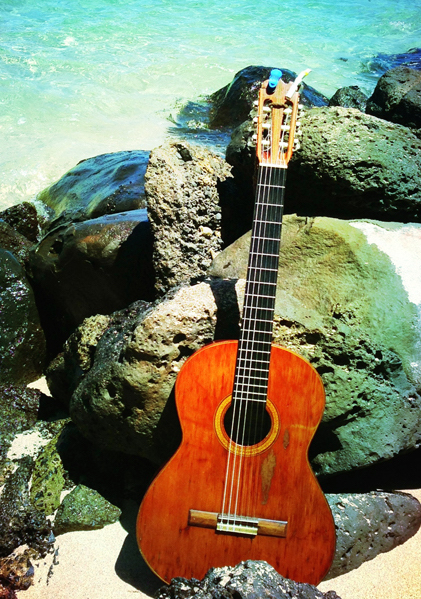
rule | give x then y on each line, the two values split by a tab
278	482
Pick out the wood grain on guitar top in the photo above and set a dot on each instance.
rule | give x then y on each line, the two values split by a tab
277	482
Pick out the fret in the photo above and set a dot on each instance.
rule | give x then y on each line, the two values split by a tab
255	344
252	268
252	362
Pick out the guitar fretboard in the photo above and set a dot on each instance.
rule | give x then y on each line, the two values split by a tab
254	347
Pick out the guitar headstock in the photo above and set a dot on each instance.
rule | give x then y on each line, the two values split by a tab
278	126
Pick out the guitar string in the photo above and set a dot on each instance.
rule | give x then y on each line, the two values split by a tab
238	406
248	345
271	211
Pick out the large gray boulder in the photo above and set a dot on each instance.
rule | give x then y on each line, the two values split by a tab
341	304
350	165
183	186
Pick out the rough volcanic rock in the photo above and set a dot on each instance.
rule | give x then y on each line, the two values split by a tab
84	509
350	165
341	304
16	572
22	341
246	580
397	97
349	97
232	104
64	373
48	478
19	407
368	524
96	186
15	243
94	267
20	522
22	218
182	188
124	401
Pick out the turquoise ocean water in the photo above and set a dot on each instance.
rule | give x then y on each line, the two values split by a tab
85	77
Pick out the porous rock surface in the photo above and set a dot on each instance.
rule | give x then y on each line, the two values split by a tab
341	304
84	509
182	185
350	165
122	401
397	97
246	580
368	524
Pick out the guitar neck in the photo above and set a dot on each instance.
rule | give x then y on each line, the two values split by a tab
253	358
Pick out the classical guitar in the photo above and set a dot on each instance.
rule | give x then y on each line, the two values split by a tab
240	485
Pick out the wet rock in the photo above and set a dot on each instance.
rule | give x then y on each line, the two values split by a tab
20	522
368	524
341	305
94	267
182	188
383	62
101	185
247	580
350	165
232	104
17	571
18	412
22	218
397	97
15	243
22	341
84	509
349	97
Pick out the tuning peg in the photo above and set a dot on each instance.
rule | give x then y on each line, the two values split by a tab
297	145
287	110
298	132
266	109
266	126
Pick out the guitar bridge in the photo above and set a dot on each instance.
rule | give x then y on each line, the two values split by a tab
240	525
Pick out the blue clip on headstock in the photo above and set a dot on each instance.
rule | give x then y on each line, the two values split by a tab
273	81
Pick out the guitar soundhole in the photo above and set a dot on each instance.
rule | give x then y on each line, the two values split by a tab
248	425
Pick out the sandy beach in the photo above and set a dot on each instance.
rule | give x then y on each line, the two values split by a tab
105	564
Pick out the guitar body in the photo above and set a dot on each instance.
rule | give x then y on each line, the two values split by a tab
276	482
